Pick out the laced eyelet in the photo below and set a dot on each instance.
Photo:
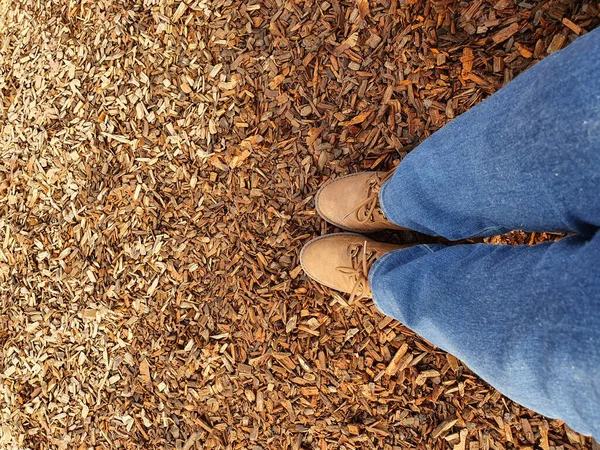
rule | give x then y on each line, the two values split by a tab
368	210
361	261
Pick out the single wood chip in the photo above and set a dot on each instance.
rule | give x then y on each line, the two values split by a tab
505	33
347	44
558	41
443	427
363	8
394	364
572	26
463	440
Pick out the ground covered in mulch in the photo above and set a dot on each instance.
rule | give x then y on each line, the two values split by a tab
158	161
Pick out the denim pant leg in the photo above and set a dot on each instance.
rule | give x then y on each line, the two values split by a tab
526	158
525	319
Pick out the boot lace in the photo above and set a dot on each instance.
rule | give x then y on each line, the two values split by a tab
368	210
361	259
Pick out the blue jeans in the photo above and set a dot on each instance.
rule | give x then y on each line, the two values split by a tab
526	318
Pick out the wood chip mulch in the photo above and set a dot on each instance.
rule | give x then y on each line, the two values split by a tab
158	161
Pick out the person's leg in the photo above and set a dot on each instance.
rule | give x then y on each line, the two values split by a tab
526	319
526	158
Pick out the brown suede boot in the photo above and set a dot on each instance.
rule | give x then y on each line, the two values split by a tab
341	261
352	202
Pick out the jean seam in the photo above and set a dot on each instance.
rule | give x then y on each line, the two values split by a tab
376	265
484	232
388	217
372	273
555	208
380	261
381	205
